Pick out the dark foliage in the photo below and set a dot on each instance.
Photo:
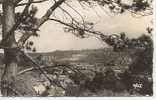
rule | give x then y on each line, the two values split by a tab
120	6
140	71
143	62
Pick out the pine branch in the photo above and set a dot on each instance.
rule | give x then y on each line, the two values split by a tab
17	23
40	22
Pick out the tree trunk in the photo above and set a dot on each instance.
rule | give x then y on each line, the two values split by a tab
10	70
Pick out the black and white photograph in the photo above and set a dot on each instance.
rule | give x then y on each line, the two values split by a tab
76	48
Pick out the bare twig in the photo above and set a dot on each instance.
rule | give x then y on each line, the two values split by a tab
75	11
69	25
17	1
37	66
39	1
42	67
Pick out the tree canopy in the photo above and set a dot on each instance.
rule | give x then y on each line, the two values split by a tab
29	24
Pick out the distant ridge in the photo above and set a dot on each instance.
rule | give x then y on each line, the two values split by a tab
102	55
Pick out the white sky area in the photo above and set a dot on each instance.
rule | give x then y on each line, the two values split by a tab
52	36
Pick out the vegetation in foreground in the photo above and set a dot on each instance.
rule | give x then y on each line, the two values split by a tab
83	78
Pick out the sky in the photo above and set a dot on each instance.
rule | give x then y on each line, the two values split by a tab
52	36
